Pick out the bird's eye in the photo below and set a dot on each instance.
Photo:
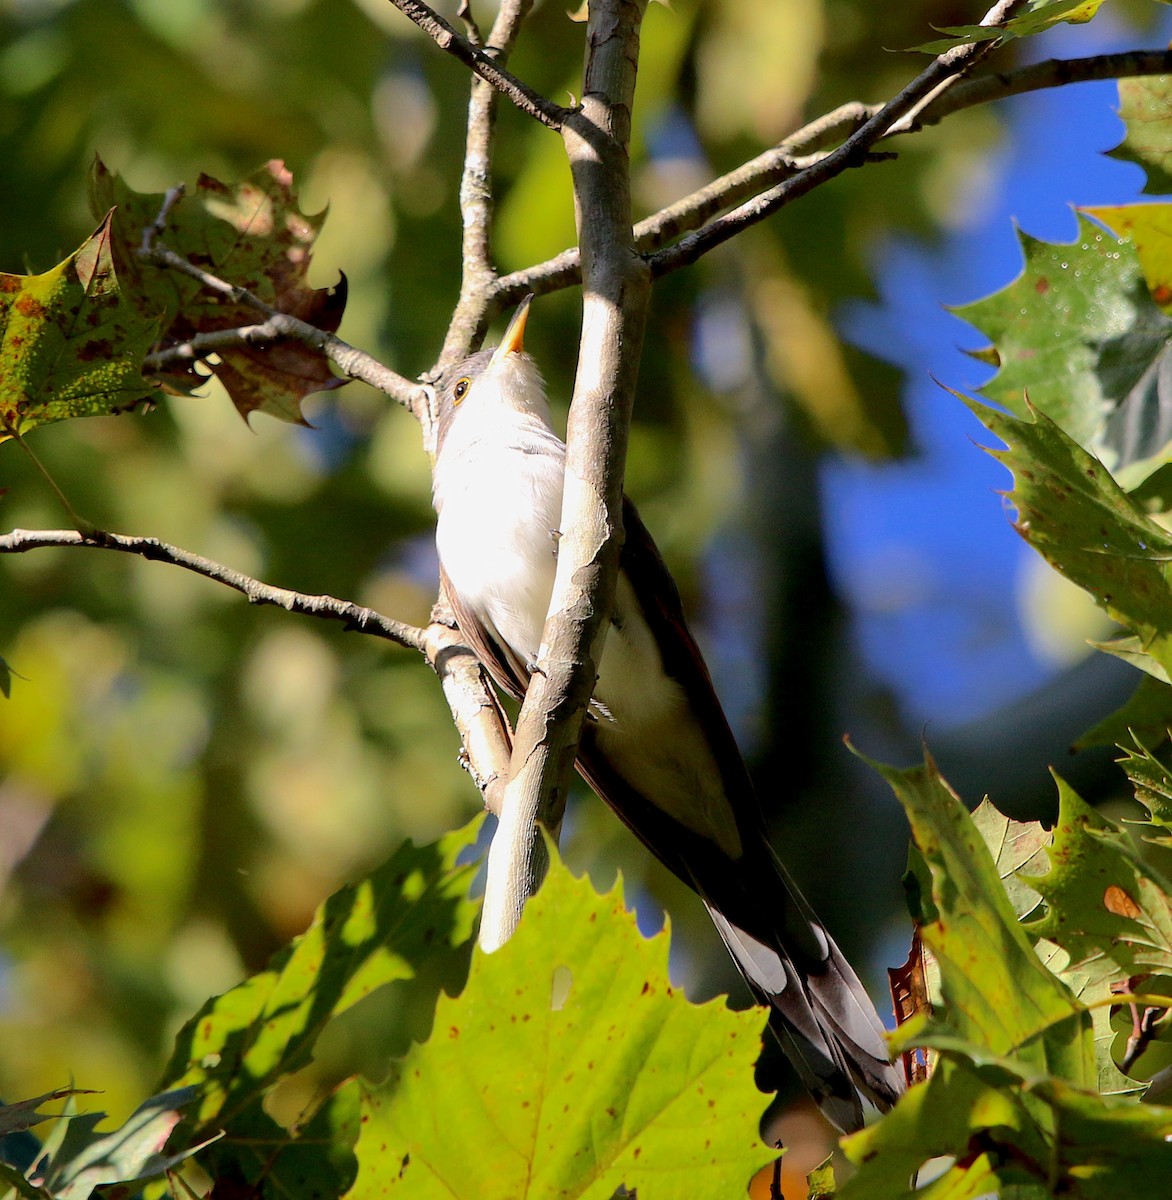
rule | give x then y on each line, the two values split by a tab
461	388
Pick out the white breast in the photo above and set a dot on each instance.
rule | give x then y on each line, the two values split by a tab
497	528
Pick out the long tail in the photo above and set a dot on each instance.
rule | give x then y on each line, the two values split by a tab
821	1014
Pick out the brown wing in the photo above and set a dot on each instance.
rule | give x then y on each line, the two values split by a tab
504	667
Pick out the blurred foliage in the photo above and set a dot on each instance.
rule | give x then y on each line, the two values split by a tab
184	778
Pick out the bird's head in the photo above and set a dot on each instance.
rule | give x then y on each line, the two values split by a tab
493	386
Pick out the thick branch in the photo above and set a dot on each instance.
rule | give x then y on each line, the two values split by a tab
484	64
616	289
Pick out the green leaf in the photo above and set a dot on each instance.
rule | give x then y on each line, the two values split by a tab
5	679
1038	16
366	935
998	995
85	1160
573	1067
1015	846
938	1119
1102	1147
1146	716
314	1159
820	1181
1104	905
253	235
1152	781
1145	107
1107	919
1079	519
1110	1147
70	344
1078	336
1131	650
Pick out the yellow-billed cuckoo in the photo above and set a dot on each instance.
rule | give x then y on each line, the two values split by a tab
656	745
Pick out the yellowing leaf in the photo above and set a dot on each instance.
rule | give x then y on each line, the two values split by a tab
574	1068
1149	229
70	343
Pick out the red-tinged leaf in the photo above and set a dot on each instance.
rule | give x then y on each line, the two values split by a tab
251	235
275	378
70	344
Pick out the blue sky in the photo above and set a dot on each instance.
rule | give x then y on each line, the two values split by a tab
924	550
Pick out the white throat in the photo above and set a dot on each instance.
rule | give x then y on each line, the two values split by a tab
498	495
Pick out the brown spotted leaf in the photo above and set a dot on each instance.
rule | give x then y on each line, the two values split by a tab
1105	906
252	235
70	343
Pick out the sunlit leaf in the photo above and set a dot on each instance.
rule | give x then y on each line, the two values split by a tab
1078	336
1078	518
574	1067
71	345
1145	107
997	994
85	1160
1039	15
1016	846
366	935
1152	780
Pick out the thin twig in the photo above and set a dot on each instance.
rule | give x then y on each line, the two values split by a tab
531	103
352	362
366	620
477	303
850	153
482	726
202	344
791	155
1053	72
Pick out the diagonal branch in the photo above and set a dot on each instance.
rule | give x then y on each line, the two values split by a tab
484	64
366	620
1053	72
352	362
482	726
808	145
852	152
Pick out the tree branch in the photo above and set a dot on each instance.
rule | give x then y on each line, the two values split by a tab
531	103
482	726
366	620
352	362
850	153
1054	72
803	148
477	303
616	289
